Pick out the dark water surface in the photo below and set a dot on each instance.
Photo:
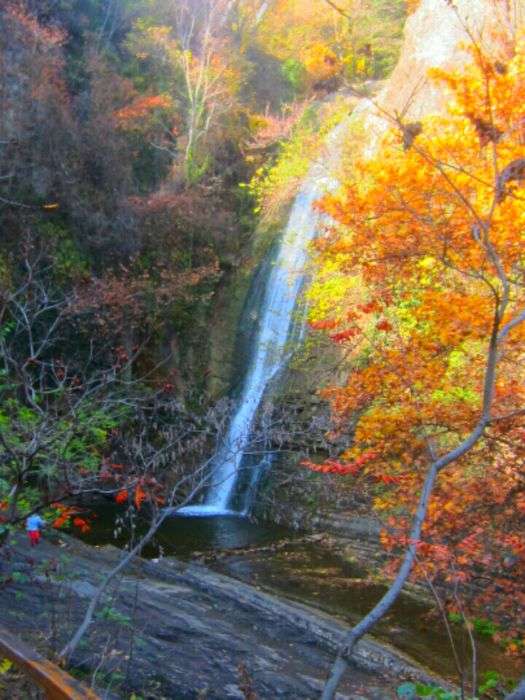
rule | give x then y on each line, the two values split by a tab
283	562
180	536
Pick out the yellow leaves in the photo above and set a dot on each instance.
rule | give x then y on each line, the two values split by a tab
451	507
274	185
361	65
257	121
321	62
5	666
329	295
290	25
381	504
312	34
158	34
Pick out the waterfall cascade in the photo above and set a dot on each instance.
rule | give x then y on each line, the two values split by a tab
270	351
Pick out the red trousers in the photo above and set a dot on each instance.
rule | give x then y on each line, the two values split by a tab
34	537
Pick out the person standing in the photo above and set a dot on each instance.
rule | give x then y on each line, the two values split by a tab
34	525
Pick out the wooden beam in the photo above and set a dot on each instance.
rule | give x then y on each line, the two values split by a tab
57	684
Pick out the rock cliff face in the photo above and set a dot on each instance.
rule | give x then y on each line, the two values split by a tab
434	36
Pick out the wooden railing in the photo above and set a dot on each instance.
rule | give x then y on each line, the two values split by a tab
56	683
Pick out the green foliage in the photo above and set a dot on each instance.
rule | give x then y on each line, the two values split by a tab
295	74
19	577
196	166
490	681
113	615
89	430
385	34
492	684
411	691
455	394
69	262
455	617
5	666
485	627
481	625
384	61
73	438
429	691
273	185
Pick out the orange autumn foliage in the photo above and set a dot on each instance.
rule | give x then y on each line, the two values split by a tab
82	524
432	231
141	107
140	496
331	466
122	496
146	489
411	6
68	515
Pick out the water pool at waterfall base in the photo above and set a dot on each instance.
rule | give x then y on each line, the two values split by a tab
181	535
304	568
203	511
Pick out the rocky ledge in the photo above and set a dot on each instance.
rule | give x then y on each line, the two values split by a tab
167	629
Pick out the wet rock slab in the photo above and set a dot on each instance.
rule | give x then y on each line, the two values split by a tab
170	630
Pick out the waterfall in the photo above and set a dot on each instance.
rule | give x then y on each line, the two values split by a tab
270	351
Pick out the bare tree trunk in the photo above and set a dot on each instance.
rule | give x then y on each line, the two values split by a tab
390	597
70	647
